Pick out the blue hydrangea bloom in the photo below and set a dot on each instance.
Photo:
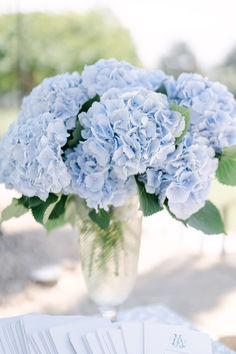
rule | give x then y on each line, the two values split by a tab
30	156
184	178
131	131
213	108
62	95
31	151
124	134
111	73
93	179
139	125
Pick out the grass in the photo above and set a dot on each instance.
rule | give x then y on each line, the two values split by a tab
6	117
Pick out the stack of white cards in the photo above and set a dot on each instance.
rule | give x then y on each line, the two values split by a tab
39	334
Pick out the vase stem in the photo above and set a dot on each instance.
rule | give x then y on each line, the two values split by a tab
109	312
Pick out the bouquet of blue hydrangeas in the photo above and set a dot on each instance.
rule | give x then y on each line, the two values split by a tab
115	131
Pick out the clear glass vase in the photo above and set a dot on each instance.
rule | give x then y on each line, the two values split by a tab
109	258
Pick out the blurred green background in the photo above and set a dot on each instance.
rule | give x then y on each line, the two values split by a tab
37	45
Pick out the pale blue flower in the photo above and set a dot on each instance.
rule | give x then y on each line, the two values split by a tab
139	125
93	179
62	95
125	133
111	73
184	178
213	108
30	156
31	151
131	131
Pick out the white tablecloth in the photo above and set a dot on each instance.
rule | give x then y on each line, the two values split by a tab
161	314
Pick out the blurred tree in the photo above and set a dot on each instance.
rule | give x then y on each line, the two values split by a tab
179	59
231	58
36	45
226	72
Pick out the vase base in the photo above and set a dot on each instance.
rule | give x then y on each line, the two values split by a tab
109	312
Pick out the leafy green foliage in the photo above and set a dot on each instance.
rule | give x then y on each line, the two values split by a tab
64	212
56	211
30	202
76	136
59	208
207	220
52	224
148	202
42	211
30	49
101	218
16	209
162	89
85	107
185	112
226	172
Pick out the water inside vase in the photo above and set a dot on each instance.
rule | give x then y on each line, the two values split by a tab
110	271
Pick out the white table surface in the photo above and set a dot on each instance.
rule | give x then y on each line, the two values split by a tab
161	314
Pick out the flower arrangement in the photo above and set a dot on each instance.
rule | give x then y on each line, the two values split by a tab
115	131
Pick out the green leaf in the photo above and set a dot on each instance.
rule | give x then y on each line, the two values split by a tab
20	206
226	171
207	220
52	224
33	202
59	208
42	211
185	112
15	210
24	201
30	202
102	218
85	107
148	202
64	212
76	135
162	89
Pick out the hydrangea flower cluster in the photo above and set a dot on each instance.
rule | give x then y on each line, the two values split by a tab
131	131
184	178
62	95
110	73
30	156
30	152
213	108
